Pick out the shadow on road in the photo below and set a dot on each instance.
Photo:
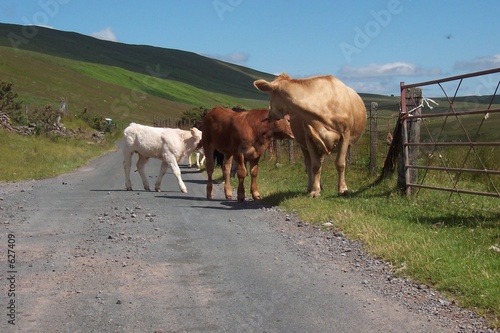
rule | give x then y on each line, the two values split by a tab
214	203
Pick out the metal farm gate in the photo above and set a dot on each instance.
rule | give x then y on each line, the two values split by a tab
449	143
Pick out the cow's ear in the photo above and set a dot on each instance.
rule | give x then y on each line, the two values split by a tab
263	85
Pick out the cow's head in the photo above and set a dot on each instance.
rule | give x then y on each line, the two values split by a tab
281	128
278	97
196	133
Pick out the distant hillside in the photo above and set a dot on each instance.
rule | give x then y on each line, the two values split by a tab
186	67
123	82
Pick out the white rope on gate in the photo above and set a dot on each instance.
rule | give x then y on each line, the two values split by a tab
426	101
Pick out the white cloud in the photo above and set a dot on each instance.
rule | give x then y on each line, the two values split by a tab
105	34
384	70
45	26
383	86
478	64
234	58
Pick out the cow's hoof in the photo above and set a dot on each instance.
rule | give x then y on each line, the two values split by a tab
241	199
184	190
157	190
346	193
315	194
129	188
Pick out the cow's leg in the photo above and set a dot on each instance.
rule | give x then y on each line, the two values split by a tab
196	160
316	163
226	172
127	163
189	160
314	172
163	170
307	163
172	162
340	163
241	172
140	167
311	173
202	161
254	172
209	166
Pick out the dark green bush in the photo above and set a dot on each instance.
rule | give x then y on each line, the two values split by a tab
8	103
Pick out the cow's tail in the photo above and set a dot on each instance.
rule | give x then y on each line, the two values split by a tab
198	147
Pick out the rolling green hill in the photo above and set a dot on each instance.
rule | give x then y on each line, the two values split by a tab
187	67
124	82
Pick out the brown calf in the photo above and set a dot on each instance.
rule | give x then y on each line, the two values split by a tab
244	136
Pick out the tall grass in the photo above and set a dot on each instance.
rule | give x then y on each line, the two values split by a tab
431	238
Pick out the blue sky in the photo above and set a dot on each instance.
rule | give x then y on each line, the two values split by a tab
370	45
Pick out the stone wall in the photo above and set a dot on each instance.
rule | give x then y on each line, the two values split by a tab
51	129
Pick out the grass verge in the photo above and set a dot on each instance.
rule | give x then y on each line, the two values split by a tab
38	157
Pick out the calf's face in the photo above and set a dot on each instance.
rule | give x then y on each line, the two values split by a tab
196	133
282	128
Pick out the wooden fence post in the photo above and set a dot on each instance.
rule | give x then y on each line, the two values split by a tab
291	155
408	175
277	149
373	138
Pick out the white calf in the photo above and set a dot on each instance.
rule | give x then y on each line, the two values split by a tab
169	145
199	158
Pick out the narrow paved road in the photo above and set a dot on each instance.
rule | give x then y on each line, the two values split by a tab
91	257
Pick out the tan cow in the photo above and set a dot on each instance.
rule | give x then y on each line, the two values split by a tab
325	114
